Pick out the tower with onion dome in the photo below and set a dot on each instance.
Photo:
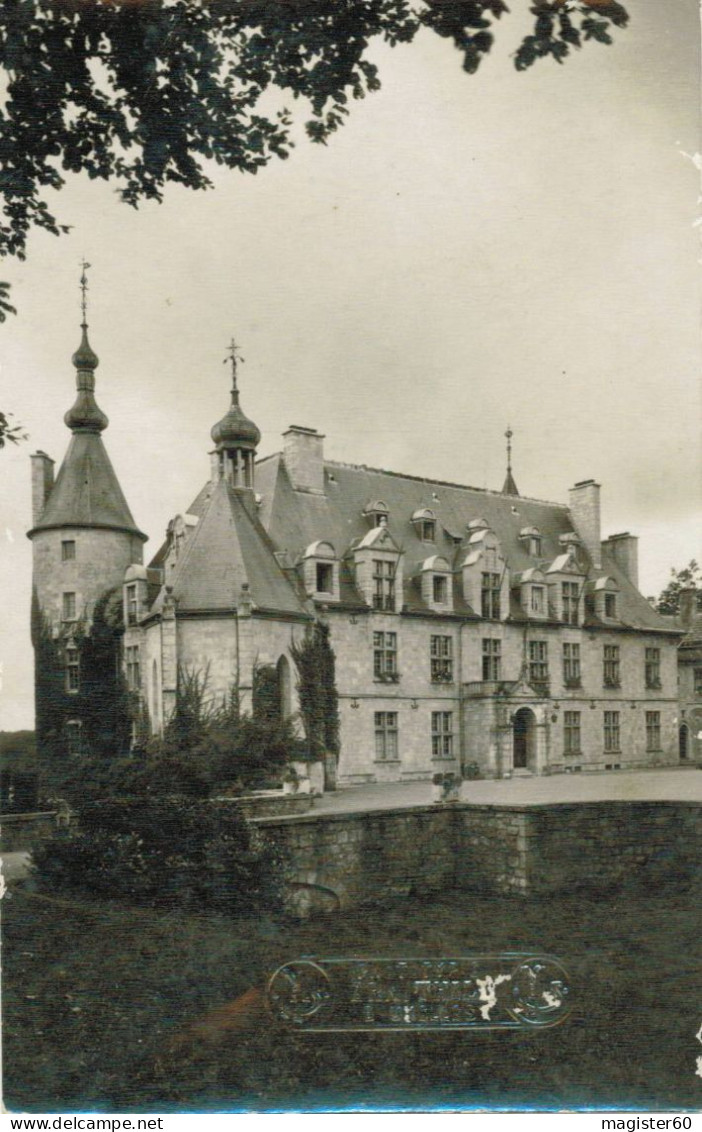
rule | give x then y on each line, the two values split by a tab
83	539
236	438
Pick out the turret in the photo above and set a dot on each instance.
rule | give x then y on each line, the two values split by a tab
236	438
83	534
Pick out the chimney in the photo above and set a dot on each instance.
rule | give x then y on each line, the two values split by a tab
624	549
688	603
585	513
304	459
42	482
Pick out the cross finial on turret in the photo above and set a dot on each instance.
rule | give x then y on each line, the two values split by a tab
510	487
233	358
84	293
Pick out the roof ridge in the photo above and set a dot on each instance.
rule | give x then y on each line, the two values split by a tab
442	483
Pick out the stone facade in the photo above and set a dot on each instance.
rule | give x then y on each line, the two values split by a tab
690	679
474	631
343	860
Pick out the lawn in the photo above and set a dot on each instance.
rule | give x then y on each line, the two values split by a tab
114	1009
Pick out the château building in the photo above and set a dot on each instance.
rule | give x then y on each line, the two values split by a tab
473	630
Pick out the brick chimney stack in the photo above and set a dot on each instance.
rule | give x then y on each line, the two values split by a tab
585	512
304	459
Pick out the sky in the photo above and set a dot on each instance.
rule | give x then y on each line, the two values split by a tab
467	253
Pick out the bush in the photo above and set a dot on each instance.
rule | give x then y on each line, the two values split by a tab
167	852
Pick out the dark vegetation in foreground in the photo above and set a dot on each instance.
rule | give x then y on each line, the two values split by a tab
115	1009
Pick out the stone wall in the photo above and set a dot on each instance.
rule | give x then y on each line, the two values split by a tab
22	832
343	860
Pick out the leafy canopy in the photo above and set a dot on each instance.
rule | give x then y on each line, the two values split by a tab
144	92
668	601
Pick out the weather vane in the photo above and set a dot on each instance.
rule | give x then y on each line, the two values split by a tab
84	292
233	358
509	434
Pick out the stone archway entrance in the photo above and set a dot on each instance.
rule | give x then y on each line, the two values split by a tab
523	739
684	742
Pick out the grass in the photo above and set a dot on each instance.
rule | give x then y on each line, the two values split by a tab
110	1009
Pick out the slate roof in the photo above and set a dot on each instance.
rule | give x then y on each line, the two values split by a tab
227	548
87	492
294	519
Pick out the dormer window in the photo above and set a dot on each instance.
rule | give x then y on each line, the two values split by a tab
424	523
383	584
320	571
537	602
325	578
132	605
377	567
533	593
440	587
437	583
377	513
605	593
530	537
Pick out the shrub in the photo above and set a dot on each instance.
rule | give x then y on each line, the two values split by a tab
169	852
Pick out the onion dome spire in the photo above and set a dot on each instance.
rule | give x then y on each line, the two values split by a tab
235	430
85	415
509	486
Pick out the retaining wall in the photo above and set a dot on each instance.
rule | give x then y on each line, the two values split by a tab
343	860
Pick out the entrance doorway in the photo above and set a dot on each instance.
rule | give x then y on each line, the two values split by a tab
523	739
684	741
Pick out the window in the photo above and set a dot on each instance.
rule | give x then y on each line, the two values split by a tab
653	731
384	584
72	669
571	665
386	735
385	656
698	681
442	734
611	666
427	530
653	668
610	605
68	550
538	662
569	597
611	731
441	655
537	604
132	605
490	596
535	546
325	578
492	659
571	732
440	589
74	737
133	670
69	607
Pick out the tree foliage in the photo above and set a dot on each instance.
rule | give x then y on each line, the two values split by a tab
668	601
101	702
319	702
175	852
147	93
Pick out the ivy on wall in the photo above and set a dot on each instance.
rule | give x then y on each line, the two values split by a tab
319	701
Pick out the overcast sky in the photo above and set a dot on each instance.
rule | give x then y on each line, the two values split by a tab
468	252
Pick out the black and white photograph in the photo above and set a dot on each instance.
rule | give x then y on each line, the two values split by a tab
350	512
